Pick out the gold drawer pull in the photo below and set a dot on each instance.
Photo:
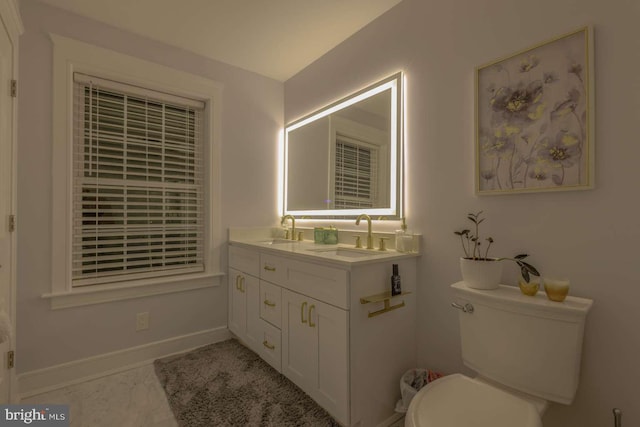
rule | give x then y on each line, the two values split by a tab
269	268
311	324
269	303
269	346
240	283
302	319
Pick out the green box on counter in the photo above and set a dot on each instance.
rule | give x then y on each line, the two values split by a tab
327	236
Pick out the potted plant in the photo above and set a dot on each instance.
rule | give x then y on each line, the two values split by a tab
479	271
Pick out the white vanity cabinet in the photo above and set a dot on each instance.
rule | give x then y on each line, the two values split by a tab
324	325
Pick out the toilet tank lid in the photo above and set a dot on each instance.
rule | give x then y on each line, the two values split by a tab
571	307
457	400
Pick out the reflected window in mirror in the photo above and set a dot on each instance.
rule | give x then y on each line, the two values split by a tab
346	158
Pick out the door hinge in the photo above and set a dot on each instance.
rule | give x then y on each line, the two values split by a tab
11	359
14	88
12	223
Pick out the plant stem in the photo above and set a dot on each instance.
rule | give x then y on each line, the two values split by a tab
475	244
486	253
466	253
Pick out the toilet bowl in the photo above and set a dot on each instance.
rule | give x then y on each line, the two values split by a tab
526	351
459	401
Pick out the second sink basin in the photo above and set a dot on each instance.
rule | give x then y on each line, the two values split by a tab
278	241
347	252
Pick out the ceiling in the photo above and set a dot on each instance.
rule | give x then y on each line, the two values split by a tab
275	38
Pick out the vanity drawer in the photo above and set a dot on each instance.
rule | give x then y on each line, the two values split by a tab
273	268
244	260
327	284
271	303
270	348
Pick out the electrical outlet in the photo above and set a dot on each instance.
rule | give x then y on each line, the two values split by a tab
142	321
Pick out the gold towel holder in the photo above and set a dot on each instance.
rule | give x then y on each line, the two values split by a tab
385	297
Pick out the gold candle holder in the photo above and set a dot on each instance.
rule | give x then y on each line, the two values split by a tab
556	290
529	289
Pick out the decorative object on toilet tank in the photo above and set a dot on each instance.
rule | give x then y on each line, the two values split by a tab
535	118
529	288
556	290
479	271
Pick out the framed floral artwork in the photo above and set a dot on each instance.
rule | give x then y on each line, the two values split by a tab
534	118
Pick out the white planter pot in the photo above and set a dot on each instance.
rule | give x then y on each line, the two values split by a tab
481	274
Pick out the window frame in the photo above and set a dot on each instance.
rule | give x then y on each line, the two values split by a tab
71	56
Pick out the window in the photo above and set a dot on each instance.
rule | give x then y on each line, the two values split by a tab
136	189
355	174
137	183
358	165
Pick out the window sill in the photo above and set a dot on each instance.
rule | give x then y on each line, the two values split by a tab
109	293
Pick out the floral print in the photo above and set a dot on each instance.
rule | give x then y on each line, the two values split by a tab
532	118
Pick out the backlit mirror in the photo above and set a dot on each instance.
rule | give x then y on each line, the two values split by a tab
346	158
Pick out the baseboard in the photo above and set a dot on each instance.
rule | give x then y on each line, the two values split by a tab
391	420
54	377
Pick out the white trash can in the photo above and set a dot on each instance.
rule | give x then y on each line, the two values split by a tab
410	383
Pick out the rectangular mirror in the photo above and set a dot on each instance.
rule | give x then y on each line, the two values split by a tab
346	159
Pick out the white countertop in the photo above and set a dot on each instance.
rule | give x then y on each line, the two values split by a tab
340	254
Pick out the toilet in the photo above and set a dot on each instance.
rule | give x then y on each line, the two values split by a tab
525	351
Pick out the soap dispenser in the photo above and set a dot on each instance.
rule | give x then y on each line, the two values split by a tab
404	239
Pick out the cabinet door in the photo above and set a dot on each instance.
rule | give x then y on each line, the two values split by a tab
330	326
253	335
244	308
299	343
237	304
315	351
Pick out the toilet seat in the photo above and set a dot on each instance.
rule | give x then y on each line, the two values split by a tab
459	401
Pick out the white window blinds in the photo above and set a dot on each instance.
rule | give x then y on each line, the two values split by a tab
138	183
356	170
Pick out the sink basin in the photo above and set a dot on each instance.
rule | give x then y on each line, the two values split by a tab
347	252
278	241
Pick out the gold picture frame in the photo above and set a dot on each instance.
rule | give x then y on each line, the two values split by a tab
535	118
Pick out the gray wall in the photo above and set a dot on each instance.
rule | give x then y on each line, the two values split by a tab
589	236
252	114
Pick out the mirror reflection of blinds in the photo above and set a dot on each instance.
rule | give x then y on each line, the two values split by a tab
138	183
356	170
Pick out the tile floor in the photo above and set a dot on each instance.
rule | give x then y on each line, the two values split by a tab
132	398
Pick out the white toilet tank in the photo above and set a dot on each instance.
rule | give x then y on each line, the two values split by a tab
527	343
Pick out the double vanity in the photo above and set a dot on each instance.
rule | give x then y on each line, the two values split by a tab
322	314
324	317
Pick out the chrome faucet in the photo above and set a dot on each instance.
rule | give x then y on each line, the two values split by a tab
293	225
369	236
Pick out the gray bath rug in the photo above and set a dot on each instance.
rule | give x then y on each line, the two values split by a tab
226	384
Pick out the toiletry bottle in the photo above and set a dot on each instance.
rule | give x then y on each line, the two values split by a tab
395	281
404	239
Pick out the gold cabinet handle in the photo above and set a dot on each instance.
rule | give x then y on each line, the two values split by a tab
302	319
238	281
269	268
242	284
269	303
269	346
311	324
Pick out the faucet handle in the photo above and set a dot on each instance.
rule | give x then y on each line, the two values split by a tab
383	245
358	242
286	234
300	236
